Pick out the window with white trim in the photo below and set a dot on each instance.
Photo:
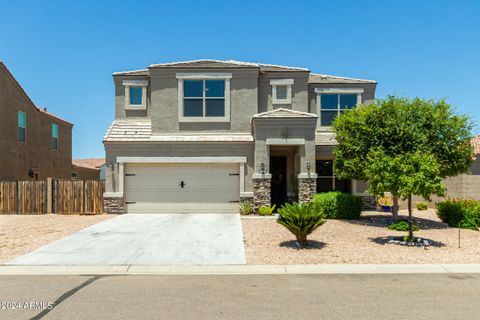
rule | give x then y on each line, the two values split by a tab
135	94
281	91
332	102
204	97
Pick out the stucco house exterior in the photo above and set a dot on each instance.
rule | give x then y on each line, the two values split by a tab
34	144
88	169
202	135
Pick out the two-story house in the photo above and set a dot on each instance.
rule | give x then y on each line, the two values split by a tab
199	136
34	143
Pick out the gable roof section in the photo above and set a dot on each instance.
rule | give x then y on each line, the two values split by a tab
285	113
324	78
91	163
212	63
44	111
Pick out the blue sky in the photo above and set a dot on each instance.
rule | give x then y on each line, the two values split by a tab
64	52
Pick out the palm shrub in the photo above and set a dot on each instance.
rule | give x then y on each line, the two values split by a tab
246	208
300	219
266	210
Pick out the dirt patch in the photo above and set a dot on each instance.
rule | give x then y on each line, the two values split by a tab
360	241
21	234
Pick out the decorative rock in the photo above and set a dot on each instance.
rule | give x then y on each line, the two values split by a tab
307	187
113	205
418	243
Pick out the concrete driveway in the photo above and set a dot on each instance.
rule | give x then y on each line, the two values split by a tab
148	239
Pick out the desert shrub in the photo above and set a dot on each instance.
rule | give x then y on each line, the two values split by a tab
246	208
266	210
338	205
300	219
402	226
422	206
460	213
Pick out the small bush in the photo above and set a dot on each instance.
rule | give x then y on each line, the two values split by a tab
300	219
246	208
402	226
338	205
266	210
422	206
460	213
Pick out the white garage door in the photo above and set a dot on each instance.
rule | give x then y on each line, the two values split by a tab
189	187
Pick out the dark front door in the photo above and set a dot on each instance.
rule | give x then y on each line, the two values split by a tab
278	169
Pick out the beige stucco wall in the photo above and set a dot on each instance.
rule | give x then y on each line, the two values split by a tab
17	158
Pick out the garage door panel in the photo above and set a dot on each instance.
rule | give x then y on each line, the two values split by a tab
206	187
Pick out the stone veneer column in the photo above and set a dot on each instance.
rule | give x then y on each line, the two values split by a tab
114	205
261	191
307	187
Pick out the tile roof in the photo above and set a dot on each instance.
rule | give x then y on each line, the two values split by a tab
91	163
324	78
212	63
475	141
141	131
284	113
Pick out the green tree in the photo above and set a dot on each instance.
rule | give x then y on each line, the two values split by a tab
403	146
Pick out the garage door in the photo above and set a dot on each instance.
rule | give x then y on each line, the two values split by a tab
190	187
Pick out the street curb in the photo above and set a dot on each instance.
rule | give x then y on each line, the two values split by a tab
10	270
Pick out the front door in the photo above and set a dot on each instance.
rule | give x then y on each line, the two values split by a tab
278	169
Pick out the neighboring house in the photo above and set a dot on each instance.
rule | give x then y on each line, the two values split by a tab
88	169
34	144
199	136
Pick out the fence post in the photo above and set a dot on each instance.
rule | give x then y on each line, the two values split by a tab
16	197
49	195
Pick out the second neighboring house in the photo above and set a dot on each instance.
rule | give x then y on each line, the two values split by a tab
88	169
200	136
34	144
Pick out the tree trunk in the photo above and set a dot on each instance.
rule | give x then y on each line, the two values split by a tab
302	240
395	208
410	218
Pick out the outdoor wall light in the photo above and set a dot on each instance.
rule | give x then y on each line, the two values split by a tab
262	168
308	166
112	166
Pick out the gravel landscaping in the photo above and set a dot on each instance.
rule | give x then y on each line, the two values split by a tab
360	241
21	234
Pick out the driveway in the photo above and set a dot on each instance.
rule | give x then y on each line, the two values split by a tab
148	239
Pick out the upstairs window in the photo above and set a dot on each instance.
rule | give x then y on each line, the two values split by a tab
331	103
54	136
206	99
22	127
135	94
281	91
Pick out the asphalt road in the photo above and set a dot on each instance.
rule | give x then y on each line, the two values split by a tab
411	296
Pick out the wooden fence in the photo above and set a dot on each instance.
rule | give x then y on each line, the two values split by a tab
79	196
62	196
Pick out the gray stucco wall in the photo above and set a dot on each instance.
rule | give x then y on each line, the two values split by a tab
114	150
299	91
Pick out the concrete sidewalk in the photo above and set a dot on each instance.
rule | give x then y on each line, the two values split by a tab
242	269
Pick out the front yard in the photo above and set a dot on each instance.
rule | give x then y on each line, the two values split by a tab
21	234
359	241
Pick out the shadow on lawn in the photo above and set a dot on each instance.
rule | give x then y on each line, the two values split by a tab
383	221
312	244
384	241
